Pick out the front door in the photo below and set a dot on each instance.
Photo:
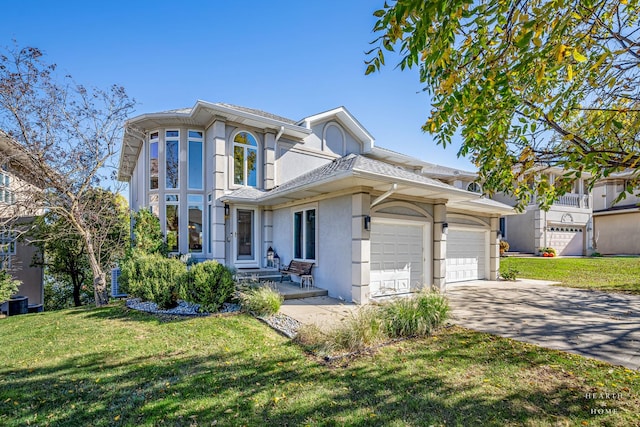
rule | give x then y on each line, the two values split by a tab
245	242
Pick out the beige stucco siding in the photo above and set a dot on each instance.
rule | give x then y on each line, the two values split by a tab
618	233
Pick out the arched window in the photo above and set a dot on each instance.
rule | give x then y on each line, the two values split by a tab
245	160
474	187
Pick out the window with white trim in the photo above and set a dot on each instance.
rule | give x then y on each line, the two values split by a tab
153	161
7	243
172	159
474	187
245	160
305	234
172	219
195	167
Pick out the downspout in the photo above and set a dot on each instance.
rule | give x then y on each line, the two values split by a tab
279	134
393	189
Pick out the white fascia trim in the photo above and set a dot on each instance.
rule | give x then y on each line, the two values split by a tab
619	211
449	189
347	119
277	125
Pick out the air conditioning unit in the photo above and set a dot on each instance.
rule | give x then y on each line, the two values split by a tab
115	286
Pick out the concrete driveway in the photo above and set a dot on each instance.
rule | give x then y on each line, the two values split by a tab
601	325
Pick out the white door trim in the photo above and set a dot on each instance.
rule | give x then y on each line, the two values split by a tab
257	240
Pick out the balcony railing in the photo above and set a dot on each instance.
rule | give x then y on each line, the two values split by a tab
571	200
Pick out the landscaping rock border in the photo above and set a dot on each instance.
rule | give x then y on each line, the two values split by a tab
183	308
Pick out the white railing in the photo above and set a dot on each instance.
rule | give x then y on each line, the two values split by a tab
569	199
574	200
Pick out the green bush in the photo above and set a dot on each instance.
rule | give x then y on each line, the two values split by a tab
509	273
147	234
152	277
262	301
209	284
8	285
415	316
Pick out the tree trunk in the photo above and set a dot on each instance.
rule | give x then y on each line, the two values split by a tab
99	280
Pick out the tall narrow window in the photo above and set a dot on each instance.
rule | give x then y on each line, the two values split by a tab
172	156
245	160
304	234
195	160
153	161
172	223
210	222
195	223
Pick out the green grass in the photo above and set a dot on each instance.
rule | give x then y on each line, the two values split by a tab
619	274
109	366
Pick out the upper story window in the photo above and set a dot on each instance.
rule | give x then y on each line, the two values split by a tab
195	168
153	161
172	156
474	187
245	160
6	194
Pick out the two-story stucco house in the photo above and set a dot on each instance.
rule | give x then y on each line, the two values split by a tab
566	227
616	223
229	182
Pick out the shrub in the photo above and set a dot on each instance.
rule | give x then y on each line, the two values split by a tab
262	301
147	234
509	273
152	277
548	252
8	285
363	329
209	284
416	316
504	246
371	325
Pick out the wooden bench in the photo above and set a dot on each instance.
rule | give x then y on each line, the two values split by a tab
299	268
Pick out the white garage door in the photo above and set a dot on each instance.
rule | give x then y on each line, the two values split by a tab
566	240
466	255
397	258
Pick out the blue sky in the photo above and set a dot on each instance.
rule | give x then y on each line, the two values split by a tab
292	58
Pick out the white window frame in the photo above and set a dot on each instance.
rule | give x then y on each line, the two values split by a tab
201	141
304	210
474	183
153	140
234	144
175	203
8	237
171	138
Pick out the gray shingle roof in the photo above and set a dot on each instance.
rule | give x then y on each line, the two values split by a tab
344	165
258	113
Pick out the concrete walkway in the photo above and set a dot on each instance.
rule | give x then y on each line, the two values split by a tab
322	311
601	325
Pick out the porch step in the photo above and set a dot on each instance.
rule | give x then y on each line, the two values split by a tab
292	290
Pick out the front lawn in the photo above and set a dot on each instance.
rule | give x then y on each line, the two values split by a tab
620	274
110	366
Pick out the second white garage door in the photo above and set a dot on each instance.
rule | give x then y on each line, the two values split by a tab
397	257
566	240
466	255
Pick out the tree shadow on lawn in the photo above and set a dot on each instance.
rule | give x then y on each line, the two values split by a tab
408	384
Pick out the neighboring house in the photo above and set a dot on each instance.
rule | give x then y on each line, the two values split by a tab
616	224
15	254
229	182
566	227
